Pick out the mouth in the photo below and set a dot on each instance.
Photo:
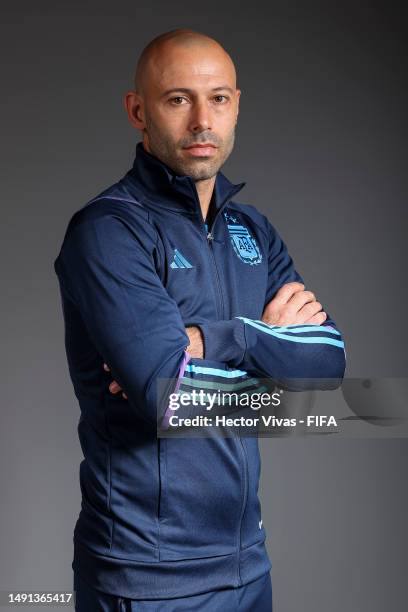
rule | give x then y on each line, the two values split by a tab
201	150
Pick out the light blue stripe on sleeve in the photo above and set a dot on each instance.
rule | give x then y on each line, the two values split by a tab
298	328
215	371
302	339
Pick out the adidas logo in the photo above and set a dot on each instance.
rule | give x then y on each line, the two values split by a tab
179	261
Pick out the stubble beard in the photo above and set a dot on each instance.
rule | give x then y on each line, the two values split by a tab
198	168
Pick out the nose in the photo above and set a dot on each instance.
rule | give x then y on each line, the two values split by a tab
200	117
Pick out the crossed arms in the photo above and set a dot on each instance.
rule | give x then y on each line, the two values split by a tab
107	271
292	305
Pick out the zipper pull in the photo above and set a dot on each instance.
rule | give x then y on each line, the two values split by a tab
210	237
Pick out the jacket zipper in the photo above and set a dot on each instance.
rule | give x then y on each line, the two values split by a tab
210	238
210	235
209	241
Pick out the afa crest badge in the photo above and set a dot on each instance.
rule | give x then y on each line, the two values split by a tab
244	244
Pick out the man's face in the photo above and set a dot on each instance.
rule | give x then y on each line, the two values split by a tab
190	99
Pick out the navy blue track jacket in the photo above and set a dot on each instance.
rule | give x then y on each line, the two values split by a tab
163	517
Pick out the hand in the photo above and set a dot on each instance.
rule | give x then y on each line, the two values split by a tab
196	346
114	387
292	305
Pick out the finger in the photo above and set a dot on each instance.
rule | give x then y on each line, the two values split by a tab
309	310
287	290
318	318
300	298
124	395
114	387
293	308
106	367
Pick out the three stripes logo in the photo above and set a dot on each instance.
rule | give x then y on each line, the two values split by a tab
179	261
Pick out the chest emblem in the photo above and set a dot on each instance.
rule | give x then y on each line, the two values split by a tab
244	244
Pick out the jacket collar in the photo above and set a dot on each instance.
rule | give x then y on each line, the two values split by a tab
160	185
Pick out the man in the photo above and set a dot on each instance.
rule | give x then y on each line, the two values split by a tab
164	276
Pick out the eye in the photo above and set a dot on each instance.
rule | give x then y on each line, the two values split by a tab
221	96
177	98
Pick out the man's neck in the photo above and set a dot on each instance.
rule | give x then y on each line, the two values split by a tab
205	190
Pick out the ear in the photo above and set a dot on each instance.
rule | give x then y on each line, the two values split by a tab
238	94
133	103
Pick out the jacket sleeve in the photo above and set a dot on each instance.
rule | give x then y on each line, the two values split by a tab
308	356
106	267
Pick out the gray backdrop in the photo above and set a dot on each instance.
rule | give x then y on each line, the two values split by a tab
321	142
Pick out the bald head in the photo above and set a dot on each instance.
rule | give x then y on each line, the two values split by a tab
185	95
156	54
